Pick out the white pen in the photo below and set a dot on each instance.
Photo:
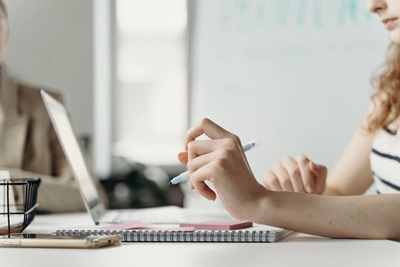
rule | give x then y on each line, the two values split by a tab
185	175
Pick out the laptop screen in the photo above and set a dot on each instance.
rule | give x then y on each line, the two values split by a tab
62	125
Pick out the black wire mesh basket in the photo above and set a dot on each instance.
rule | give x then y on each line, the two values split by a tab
17	212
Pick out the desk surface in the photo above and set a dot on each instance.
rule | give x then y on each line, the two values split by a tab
298	250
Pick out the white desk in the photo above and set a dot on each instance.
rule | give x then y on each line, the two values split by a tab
298	250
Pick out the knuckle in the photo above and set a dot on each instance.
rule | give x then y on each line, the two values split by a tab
284	179
286	183
219	161
204	121
218	164
190	145
226	152
268	176
236	139
302	158
223	154
294	172
274	184
230	143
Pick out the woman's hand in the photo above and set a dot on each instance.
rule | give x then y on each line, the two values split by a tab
222	162
297	175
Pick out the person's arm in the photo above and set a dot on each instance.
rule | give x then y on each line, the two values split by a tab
352	174
222	162
368	216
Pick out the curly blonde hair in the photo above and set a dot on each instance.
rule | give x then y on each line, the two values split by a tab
386	99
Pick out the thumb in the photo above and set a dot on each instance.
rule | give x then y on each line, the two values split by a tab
183	157
320	173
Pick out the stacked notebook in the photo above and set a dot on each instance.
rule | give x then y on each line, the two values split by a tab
252	234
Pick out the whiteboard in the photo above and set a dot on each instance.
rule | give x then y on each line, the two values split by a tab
295	73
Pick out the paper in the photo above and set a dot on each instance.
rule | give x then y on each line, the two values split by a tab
15	221
231	225
127	225
176	229
139	225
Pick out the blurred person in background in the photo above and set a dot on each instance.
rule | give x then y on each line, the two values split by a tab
29	147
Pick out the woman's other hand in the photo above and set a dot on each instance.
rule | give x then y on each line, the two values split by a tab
298	174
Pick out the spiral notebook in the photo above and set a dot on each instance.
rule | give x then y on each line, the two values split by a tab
251	235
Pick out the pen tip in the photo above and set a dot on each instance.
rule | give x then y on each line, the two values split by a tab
169	182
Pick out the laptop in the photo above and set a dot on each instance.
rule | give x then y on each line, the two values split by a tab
87	186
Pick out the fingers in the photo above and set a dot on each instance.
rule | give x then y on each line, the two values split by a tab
213	131
294	174
201	155
320	172
197	169
203	147
198	179
209	128
306	175
298	175
191	185
183	157
283	178
271	182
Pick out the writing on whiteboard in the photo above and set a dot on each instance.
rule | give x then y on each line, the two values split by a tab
253	15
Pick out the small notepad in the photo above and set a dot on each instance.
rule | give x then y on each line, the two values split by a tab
139	225
127	225
231	225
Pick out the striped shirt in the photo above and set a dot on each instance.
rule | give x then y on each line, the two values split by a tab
385	160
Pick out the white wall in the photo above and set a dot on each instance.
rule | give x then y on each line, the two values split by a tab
51	44
295	73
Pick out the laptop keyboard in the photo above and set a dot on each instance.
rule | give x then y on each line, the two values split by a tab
153	215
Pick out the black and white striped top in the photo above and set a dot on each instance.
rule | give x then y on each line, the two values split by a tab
385	160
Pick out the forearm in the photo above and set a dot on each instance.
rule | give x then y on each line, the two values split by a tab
330	191
372	216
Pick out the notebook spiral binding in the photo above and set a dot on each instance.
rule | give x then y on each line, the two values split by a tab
24	207
183	236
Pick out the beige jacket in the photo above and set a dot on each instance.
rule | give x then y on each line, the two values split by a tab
29	147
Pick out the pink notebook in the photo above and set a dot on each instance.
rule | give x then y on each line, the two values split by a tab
231	225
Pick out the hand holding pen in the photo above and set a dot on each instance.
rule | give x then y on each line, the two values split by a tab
222	162
185	175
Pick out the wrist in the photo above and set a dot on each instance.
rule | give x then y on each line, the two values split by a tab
259	210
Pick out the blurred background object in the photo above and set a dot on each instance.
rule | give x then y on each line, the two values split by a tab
132	184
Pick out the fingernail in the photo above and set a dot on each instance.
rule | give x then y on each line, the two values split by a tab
309	189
